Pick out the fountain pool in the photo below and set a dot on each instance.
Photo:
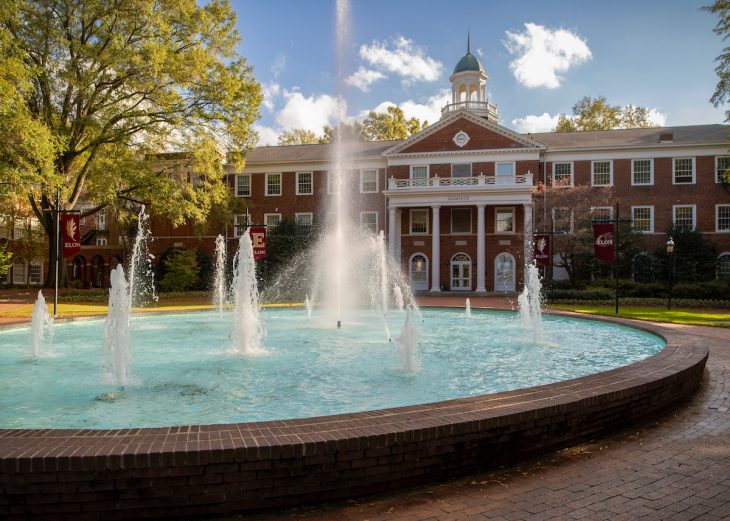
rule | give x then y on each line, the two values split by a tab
187	370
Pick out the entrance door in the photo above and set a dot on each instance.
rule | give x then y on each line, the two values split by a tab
461	272
504	272
418	272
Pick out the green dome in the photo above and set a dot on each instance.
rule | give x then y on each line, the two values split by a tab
469	63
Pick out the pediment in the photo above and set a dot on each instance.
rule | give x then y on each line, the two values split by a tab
463	131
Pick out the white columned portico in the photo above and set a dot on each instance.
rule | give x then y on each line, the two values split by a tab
392	238
527	230
435	250
481	250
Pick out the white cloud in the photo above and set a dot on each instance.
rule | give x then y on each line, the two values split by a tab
657	117
279	64
362	78
541	54
429	110
480	52
267	135
271	91
404	58
310	112
532	123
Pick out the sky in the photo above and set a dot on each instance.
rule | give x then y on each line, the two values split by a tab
541	58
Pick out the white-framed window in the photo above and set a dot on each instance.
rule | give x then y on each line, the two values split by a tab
19	229
243	185
684	216
461	170
273	184
562	174
642	218
101	241
334	182
305	183
601	213
505	169
722	218
461	220
419	221
369	221
504	220
241	221
722	164
101	223
304	221
683	170
19	273
35	273
563	220
642	172
271	220
419	172
723	266
368	181
602	173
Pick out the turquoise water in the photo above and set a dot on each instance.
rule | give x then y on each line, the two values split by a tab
186	373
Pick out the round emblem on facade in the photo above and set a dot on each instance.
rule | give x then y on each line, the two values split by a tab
461	138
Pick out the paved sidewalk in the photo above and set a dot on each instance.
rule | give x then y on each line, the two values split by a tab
677	468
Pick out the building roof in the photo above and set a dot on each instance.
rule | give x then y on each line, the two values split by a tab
468	62
635	137
305	153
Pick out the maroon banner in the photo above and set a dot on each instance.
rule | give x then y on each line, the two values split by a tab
541	251
70	234
258	240
603	241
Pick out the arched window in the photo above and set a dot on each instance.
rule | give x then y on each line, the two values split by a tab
418	272
504	272
643	268
723	266
461	272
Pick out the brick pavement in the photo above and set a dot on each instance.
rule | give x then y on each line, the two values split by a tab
676	468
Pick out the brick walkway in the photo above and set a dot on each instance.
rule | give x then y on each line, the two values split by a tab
677	468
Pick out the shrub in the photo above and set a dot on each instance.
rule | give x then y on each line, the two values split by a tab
181	271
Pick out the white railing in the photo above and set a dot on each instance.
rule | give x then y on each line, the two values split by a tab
475	106
447	182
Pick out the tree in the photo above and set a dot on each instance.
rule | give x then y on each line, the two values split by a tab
5	258
379	126
347	131
695	256
721	8
181	271
299	136
598	114
104	86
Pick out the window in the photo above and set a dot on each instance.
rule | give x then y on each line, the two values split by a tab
642	172
723	266
722	164
461	170
722	217
305	185
684	216
683	169
36	272
563	174
241	221
563	220
368	181
272	220
19	228
602	213
642	218
601	173
273	184
19	273
504	220
419	172
304	221
461	220
101	241
369	221
101	221
334	182
504	169
243	185
419	221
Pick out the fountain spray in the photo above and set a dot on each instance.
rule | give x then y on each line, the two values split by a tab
219	281
41	328
117	344
141	284
248	332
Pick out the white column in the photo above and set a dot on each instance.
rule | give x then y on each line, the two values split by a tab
435	250
391	231
398	224
481	250
527	230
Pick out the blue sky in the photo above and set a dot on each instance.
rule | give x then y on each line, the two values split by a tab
541	57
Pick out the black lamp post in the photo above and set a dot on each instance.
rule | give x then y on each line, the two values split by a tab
670	252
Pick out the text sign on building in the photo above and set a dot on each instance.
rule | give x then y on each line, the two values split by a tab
258	241
541	252
603	242
70	234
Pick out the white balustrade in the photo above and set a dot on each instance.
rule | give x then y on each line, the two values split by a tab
436	182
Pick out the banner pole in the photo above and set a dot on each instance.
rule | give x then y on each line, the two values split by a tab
58	242
615	254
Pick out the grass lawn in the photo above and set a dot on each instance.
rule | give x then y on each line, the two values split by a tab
695	317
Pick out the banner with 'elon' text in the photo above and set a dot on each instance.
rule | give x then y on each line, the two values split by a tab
541	252
258	241
603	241
70	234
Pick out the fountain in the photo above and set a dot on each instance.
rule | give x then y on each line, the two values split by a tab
467	308
41	329
141	283
398	296
219	279
406	345
117	342
530	304
308	307
248	332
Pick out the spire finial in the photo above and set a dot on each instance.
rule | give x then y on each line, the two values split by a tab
468	42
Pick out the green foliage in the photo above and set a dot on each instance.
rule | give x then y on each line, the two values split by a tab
5	258
348	132
721	8
299	136
392	124
598	114
181	271
694	257
636	292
